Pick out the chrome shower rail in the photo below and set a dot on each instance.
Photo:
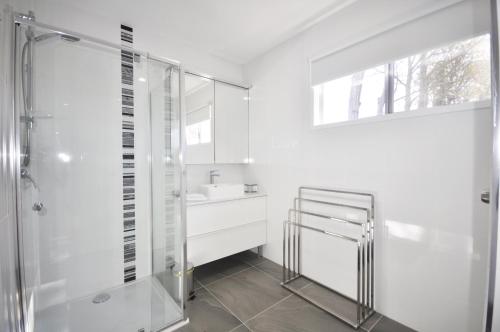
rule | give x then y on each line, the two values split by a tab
29	21
292	244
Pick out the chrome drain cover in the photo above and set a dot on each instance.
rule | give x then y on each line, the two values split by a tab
100	298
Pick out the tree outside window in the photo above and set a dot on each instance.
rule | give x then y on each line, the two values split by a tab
453	74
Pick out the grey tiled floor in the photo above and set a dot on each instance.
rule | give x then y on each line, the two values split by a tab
242	293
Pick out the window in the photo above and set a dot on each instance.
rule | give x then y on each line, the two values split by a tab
351	97
453	74
199	126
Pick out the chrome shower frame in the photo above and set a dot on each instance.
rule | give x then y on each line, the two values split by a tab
28	20
492	310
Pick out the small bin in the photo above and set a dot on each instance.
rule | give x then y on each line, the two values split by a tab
176	271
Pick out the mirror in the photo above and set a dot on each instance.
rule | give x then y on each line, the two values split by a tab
231	125
216	122
199	120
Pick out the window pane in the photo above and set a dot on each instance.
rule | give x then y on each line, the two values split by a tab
351	97
453	74
198	129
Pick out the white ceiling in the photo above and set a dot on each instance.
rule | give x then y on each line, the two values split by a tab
236	30
240	30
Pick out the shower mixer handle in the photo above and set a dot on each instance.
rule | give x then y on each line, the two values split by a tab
38	206
485	197
29	120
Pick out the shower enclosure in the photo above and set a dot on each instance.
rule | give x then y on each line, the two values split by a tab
99	188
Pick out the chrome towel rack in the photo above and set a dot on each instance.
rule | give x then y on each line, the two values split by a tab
363	242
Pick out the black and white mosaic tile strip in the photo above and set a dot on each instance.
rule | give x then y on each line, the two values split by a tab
128	154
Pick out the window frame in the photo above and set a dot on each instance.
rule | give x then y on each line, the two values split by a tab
472	106
211	126
389	113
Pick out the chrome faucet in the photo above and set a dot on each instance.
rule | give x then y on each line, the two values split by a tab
213	174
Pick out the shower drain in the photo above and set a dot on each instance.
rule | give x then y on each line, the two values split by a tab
100	298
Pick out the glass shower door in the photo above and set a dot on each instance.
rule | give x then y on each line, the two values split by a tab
168	243
92	248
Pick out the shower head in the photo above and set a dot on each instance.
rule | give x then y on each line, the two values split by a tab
63	36
70	38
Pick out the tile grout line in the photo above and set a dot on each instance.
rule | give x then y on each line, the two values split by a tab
301	288
229	310
270	307
280	281
237	327
269	274
250	265
205	286
224	277
229	275
274	278
376	322
256	267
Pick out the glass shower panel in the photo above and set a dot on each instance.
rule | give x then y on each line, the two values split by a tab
86	206
168	258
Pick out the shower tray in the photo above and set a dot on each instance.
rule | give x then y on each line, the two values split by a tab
141	305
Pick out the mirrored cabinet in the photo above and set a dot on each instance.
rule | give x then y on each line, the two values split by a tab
217	118
199	120
231	124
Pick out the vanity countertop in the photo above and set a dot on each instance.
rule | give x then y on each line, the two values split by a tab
211	201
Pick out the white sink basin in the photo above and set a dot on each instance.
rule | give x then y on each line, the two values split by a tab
222	190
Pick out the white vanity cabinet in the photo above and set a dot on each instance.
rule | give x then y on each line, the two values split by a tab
216	229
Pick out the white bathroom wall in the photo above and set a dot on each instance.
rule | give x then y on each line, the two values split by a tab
426	172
